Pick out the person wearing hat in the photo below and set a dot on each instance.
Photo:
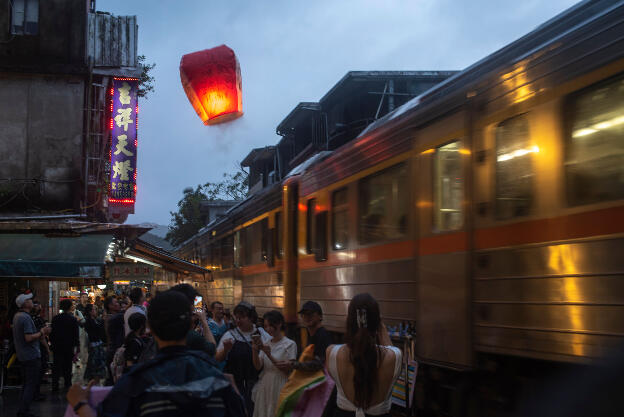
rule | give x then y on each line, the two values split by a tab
236	348
312	317
26	339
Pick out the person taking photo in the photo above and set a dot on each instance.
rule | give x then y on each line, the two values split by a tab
26	338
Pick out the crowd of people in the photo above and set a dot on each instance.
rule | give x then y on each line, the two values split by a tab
151	350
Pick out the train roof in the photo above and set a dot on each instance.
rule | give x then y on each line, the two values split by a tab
581	39
546	34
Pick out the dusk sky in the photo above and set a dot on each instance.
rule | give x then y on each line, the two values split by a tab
289	51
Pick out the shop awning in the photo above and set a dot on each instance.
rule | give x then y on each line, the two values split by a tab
142	249
53	255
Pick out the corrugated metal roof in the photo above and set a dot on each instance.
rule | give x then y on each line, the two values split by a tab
382	75
258	153
295	115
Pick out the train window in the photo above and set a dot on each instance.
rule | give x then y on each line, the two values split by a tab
253	243
383	202
216	255
204	255
279	247
448	187
227	252
311	225
514	168
594	161
340	219
237	248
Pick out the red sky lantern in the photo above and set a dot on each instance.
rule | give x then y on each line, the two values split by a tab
212	81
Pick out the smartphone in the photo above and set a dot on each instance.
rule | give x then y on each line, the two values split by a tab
198	304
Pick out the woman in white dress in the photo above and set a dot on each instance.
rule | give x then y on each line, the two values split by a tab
273	360
367	366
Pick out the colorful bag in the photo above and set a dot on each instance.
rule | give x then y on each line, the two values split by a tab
305	393
118	364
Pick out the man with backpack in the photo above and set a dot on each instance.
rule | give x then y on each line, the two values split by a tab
177	382
128	355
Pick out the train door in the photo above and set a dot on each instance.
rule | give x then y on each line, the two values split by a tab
289	238
442	244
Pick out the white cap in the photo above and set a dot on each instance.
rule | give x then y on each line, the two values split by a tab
22	298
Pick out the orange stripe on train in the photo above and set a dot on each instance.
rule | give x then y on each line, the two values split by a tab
574	226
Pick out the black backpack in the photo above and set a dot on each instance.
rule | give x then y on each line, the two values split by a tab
240	365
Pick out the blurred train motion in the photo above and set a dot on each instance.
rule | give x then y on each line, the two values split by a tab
488	213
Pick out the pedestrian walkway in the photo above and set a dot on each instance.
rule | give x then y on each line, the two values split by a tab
54	404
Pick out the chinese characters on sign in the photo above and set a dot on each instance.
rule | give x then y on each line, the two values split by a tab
131	271
123	151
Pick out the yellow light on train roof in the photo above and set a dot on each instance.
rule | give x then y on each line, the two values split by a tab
516	154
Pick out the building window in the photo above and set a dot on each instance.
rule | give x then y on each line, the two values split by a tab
448	188
24	17
514	168
383	202
340	219
310	225
594	162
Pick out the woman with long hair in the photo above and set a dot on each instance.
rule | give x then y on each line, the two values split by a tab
367	366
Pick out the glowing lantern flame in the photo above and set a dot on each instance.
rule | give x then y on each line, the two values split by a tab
212	81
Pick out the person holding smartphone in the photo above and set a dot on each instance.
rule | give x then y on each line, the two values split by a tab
204	340
267	359
235	348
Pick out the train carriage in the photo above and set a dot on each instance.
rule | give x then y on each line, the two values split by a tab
489	210
487	213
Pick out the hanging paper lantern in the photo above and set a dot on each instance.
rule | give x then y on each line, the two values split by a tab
212	81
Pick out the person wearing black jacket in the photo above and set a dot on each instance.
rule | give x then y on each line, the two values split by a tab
114	325
312	315
177	382
65	343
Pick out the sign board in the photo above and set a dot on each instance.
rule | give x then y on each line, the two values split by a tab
87	282
130	271
123	146
90	271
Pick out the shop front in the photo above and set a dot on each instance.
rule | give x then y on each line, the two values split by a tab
57	260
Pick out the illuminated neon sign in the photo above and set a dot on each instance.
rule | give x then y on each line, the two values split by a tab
124	110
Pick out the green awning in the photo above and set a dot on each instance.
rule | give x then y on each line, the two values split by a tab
38	255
